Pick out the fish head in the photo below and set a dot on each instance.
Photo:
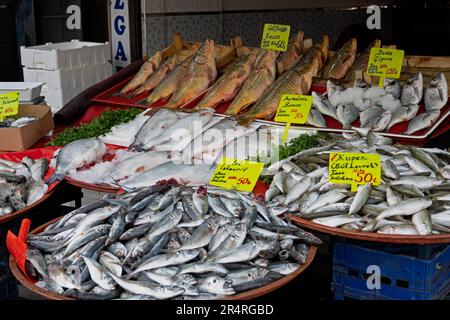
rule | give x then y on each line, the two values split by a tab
186	279
217	285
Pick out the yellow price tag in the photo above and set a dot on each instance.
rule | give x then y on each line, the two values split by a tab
236	174
9	104
275	37
293	108
354	168
385	63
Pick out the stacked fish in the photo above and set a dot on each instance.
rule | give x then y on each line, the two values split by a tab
379	109
167	241
413	198
168	145
21	184
17	122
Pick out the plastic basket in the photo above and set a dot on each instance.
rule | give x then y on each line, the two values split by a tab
404	273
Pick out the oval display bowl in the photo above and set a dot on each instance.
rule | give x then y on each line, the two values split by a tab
91	186
370	236
251	294
14	215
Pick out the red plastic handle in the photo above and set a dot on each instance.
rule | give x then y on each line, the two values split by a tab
24	228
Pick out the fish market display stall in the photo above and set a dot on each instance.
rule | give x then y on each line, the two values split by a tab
167	241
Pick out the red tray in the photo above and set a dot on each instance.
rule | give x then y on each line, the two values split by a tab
108	97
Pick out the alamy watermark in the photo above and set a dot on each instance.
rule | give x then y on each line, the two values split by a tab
374	20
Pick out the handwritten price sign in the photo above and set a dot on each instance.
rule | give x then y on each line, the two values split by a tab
236	174
354	169
385	63
275	37
293	108
9	104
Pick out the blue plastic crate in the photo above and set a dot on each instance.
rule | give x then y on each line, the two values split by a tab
404	276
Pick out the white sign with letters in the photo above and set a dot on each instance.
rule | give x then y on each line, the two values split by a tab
120	33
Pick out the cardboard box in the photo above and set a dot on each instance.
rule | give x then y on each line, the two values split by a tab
19	139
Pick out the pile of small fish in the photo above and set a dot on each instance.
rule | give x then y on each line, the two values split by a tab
17	122
21	184
379	109
167	241
413	198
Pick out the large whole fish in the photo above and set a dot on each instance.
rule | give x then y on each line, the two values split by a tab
155	79
147	69
342	61
228	85
152	128
170	83
296	80
259	80
188	174
182	130
200	74
360	64
294	50
76	155
133	165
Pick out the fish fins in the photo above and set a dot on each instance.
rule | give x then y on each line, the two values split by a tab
57	176
118	202
244	120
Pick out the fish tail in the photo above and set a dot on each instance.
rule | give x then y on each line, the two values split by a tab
57	176
118	94
118	202
117	184
244	120
144	102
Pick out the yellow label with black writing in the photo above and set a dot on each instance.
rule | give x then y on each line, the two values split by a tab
9	104
275	37
236	174
385	63
354	168
294	108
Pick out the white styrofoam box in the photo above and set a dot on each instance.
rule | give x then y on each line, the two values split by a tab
65	55
57	98
69	78
28	90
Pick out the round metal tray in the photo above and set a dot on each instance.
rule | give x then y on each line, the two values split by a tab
251	294
369	236
25	210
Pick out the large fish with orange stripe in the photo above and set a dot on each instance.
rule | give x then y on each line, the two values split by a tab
296	80
147	69
228	85
260	79
200	74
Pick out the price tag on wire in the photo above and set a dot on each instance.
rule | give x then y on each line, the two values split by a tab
293	108
354	168
236	174
9	104
385	63
275	37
